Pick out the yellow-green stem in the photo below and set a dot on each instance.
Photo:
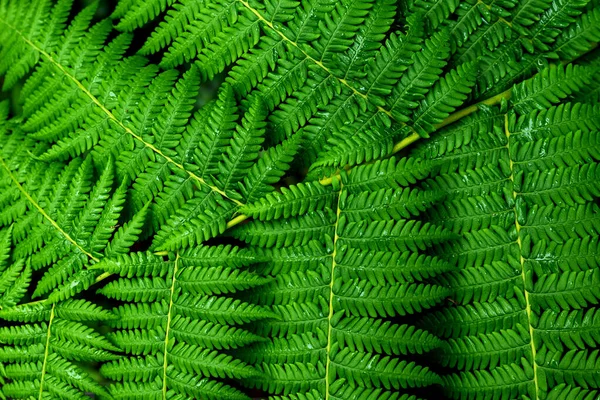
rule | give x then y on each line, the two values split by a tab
471	109
240	218
407	141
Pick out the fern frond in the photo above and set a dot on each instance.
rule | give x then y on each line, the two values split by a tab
574	329
291	201
526	277
292	232
545	31
386	173
420	76
15	274
299	56
338	280
269	169
353	261
579	37
337	29
445	97
141	118
573	255
66	227
244	147
46	354
576	393
186	324
549	87
558	120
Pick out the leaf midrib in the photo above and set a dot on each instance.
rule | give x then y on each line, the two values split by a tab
112	117
331	294
43	212
522	262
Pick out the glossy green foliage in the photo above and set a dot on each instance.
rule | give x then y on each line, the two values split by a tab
523	319
16	275
327	70
276	238
60	219
343	75
123	108
345	263
176	328
50	353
